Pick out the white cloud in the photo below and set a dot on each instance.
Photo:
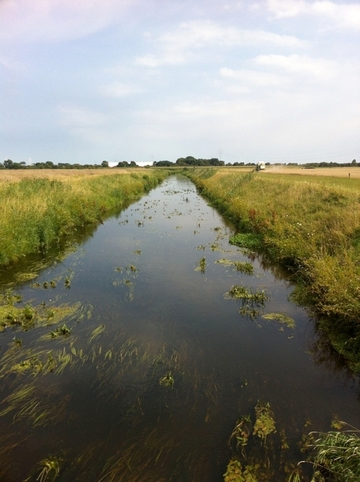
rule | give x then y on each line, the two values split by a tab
299	64
253	77
342	15
57	20
184	43
118	89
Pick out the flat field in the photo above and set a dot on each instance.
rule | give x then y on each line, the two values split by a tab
12	175
319	171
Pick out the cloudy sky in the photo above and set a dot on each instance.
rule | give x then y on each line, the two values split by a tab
147	80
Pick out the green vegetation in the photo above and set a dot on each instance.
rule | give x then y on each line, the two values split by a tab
336	456
241	266
310	226
332	456
281	318
40	213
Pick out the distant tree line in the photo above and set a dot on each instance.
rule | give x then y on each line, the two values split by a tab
311	165
182	161
9	164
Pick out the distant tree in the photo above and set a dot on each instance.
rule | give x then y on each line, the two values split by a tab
162	164
353	162
133	164
9	164
105	164
2	165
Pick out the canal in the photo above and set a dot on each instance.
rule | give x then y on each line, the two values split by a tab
143	358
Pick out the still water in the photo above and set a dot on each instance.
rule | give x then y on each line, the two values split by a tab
159	362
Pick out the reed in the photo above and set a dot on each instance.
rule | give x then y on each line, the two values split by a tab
41	212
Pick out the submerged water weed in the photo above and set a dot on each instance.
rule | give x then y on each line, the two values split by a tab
167	380
235	472
96	333
252	313
281	317
48	470
264	422
241	432
35	407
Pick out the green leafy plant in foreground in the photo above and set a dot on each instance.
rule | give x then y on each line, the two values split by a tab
335	456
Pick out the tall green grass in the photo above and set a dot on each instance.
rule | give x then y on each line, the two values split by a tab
310	225
39	213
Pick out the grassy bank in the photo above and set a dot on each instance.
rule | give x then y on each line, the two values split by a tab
39	212
311	226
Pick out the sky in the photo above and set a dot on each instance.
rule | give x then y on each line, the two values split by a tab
147	80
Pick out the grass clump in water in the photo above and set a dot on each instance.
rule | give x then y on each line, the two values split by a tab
240	266
62	330
202	265
335	456
241	292
250	241
281	317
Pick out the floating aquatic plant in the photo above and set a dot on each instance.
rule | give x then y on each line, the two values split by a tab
241	292
202	265
241	266
62	330
244	267
281	317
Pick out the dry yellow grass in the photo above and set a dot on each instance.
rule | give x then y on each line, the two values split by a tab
320	171
14	175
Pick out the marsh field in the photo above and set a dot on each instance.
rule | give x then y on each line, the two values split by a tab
159	334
